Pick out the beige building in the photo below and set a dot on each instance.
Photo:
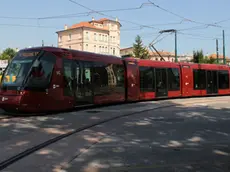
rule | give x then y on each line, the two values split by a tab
221	58
98	36
167	56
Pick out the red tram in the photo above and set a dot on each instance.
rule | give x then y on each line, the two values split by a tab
54	79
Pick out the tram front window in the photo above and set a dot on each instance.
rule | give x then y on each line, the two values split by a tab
29	69
18	69
41	71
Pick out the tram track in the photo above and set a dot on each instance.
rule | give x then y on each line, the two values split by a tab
4	164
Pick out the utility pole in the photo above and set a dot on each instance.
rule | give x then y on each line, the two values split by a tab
224	48
175	31
176	60
217	51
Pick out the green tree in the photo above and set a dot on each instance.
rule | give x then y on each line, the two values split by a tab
198	57
212	61
139	50
8	54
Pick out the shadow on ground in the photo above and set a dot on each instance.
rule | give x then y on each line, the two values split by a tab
179	138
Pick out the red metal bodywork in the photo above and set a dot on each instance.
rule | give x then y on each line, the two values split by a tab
187	79
84	56
132	79
53	99
158	64
32	101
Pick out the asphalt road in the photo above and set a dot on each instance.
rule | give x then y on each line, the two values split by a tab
188	135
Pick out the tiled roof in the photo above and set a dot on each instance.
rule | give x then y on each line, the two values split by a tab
86	24
103	20
163	53
214	56
129	48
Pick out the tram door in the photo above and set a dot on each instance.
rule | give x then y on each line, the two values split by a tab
83	87
161	82
212	82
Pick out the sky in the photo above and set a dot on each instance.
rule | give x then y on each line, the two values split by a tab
26	23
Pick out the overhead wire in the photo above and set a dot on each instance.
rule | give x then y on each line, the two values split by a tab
94	11
221	21
198	35
184	18
35	26
155	42
100	13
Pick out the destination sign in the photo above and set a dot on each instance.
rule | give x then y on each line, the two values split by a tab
28	53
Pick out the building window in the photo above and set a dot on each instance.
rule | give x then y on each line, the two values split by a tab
173	79
70	47
114	39
103	49
70	37
103	38
111	38
106	38
146	79
87	35
199	79
95	48
95	37
114	52
99	37
106	50
99	49
60	38
86	46
223	79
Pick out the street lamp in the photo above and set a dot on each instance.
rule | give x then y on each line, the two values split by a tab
175	31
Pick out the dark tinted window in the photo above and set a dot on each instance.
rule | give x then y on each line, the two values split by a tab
199	79
68	77
41	71
119	72
86	77
147	79
108	78
223	79
173	79
101	79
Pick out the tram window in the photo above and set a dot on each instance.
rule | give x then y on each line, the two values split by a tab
146	79
223	79
100	79
87	77
67	65
199	79
119	77
119	72
42	71
173	79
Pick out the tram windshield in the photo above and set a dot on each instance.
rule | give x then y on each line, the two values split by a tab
31	69
18	68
